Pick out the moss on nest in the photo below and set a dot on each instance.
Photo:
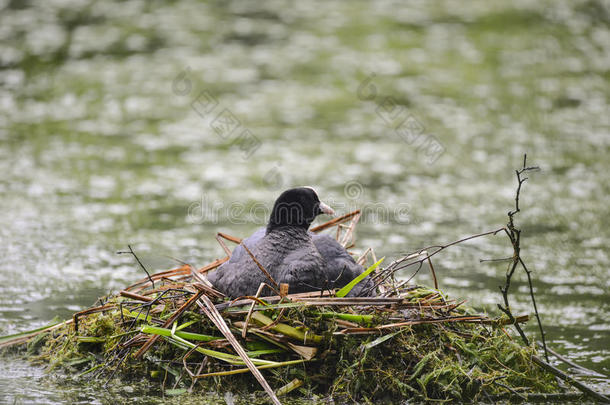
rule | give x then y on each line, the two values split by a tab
359	355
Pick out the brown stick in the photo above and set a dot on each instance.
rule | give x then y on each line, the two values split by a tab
135	296
514	234
213	265
245	328
362	259
205	286
223	245
433	273
164	288
233	239
273	298
180	271
334	221
265	272
349	233
407	323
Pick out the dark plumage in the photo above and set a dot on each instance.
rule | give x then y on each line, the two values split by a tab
290	253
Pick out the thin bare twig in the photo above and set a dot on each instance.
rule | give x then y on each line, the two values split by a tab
349	233
569	362
514	234
334	221
571	380
139	262
433	273
406	261
220	235
258	293
265	272
135	296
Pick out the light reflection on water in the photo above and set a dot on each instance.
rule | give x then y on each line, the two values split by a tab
97	150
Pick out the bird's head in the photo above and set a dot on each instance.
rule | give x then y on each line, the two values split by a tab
297	207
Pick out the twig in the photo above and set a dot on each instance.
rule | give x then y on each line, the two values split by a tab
211	312
349	233
334	221
514	234
377	329
139	262
135	296
571	380
574	365
212	265
362	259
265	272
433	273
271	299
116	368
258	293
184	364
220	235
504	289
506	387
228	237
179	271
531	288
399	264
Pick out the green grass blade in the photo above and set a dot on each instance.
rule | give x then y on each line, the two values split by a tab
28	332
286	330
257	353
366	319
138	316
382	339
345	290
181	342
184	325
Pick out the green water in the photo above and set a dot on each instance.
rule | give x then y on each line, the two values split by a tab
159	124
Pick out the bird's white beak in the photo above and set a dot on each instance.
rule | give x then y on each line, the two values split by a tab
326	209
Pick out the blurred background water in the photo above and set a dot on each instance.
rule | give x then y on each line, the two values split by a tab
158	124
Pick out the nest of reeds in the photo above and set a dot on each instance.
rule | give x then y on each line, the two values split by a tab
407	342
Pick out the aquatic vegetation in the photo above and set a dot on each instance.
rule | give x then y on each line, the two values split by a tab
414	343
408	342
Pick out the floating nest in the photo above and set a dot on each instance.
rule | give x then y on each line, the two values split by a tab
408	342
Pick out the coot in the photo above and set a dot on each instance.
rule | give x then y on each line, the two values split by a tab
290	253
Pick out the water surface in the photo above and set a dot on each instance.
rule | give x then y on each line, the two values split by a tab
160	124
